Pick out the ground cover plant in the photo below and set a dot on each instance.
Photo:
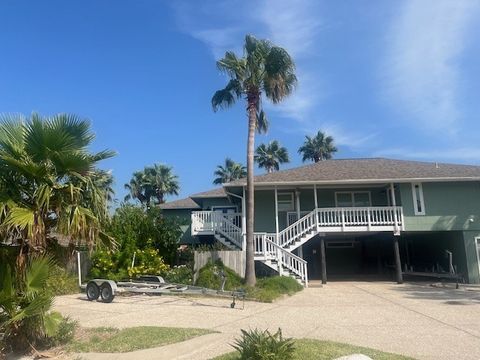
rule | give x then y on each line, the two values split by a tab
60	282
210	276
262	345
25	302
112	340
323	350
266	290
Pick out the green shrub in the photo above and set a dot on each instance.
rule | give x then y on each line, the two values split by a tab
25	316
148	262
180	275
270	288
210	276
65	333
261	345
217	246
108	264
60	282
104	264
280	284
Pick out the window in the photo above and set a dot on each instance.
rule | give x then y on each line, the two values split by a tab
285	202
418	202
352	198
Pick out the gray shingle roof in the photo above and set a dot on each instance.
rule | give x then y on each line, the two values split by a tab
186	203
189	203
214	193
372	170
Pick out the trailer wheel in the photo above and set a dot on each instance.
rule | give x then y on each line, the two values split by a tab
93	292
106	293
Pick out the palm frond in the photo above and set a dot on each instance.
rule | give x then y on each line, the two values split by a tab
36	275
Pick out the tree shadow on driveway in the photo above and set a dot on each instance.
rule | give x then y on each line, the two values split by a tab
446	294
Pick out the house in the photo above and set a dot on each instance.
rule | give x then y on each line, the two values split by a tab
349	217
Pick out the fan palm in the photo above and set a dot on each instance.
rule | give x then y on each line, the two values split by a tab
154	183
25	304
46	179
163	181
318	148
229	172
270	156
264	70
137	188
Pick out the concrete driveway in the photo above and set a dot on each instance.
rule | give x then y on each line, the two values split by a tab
418	320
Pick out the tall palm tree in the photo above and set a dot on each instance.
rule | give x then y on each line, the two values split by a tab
163	181
317	148
229	172
270	156
137	188
264	69
47	179
152	185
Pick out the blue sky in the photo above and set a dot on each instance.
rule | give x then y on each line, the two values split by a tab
386	78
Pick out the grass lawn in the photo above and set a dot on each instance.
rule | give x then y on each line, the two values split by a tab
327	350
113	340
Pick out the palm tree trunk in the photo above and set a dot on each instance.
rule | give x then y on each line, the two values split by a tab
252	120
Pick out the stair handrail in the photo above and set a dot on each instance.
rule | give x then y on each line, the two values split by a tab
291	239
227	228
300	270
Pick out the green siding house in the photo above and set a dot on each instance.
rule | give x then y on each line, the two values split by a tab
349	218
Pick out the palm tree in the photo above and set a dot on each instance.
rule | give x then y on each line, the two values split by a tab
25	316
163	181
318	148
46	179
229	172
137	189
266	70
270	156
152	184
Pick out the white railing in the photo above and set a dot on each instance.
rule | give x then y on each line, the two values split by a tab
204	221
370	217
295	231
224	226
213	222
292	216
201	221
267	249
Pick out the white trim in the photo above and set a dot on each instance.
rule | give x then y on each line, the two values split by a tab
244	221
415	200
358	181
477	246
353	197
276	211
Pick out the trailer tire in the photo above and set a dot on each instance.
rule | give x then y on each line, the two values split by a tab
93	292
106	292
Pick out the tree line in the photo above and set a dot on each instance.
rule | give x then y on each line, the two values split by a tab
270	156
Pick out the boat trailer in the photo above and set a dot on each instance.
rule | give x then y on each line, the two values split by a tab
106	289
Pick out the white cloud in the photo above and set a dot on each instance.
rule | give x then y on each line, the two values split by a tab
460	154
422	74
293	25
220	40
